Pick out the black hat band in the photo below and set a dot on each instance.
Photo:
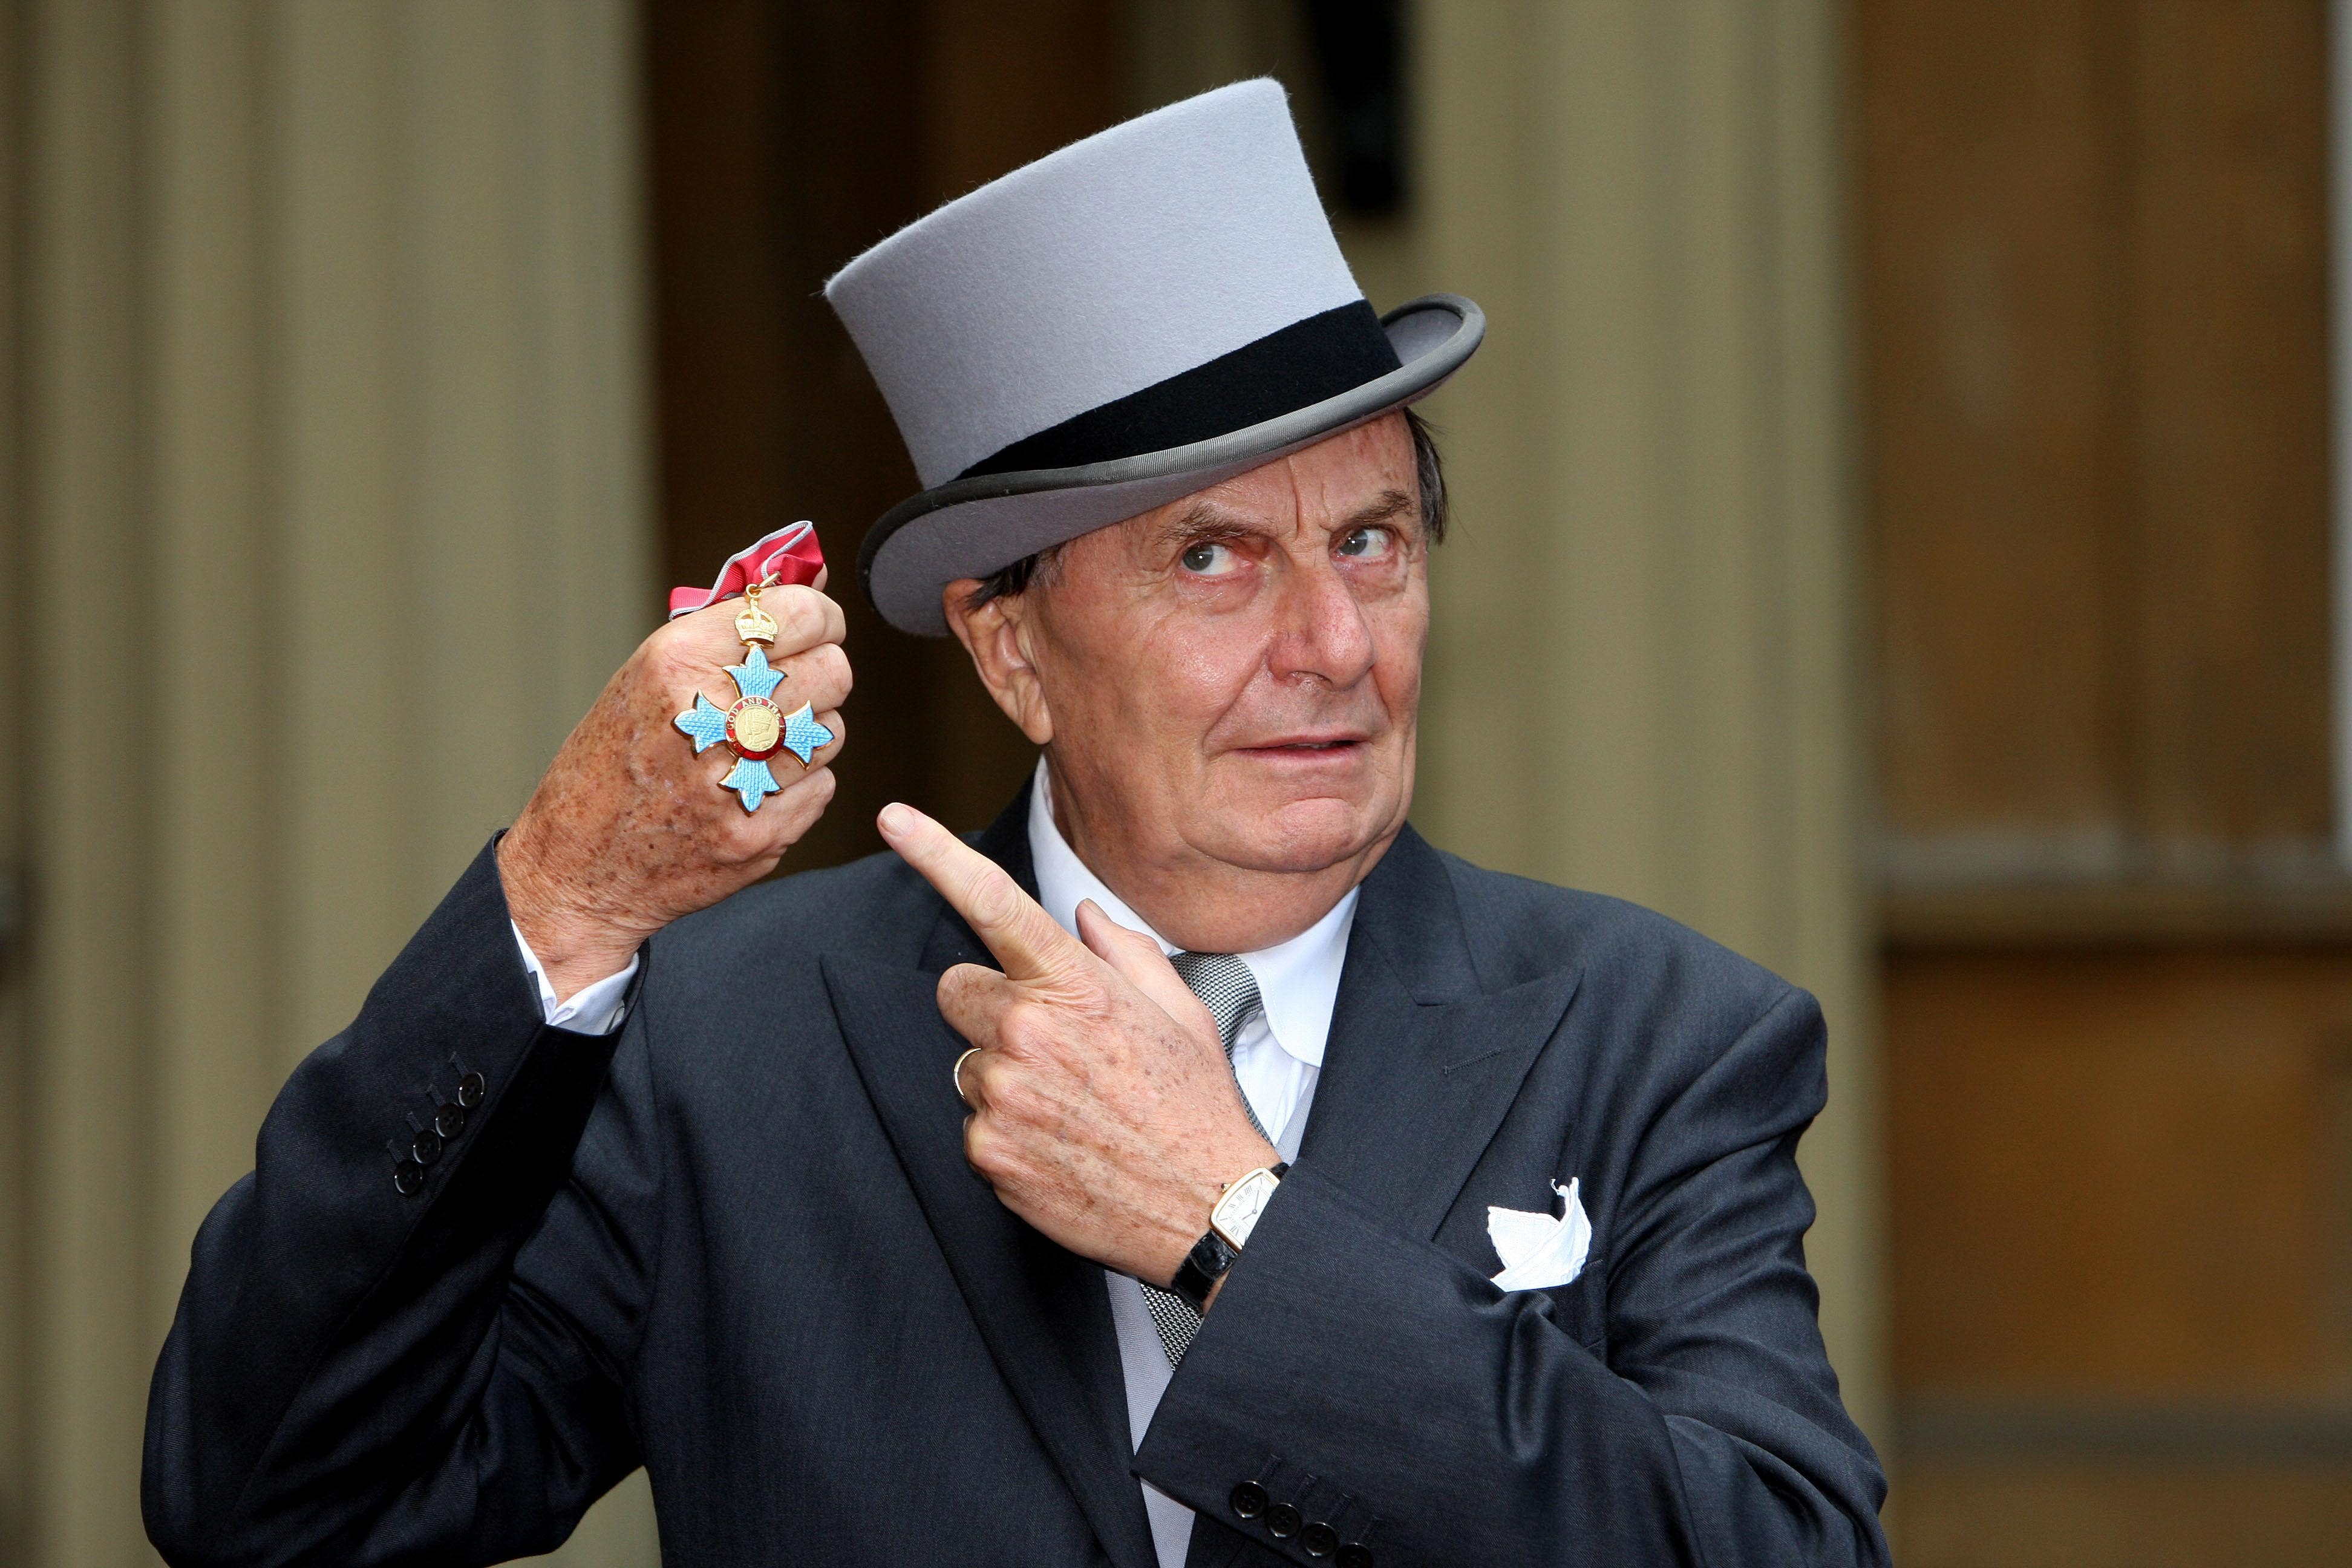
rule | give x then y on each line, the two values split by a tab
1294	367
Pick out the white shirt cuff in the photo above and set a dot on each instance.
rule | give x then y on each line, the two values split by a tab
594	1009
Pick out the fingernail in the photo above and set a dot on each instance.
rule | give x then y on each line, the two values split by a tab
895	818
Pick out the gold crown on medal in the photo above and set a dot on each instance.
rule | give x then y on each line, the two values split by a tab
754	623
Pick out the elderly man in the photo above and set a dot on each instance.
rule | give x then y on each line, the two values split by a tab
1200	1168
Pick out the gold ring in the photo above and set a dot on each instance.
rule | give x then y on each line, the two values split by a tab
958	1073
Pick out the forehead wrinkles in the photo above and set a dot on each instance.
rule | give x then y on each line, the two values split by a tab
1373	463
1314	478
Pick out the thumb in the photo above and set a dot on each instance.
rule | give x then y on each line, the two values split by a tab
1139	962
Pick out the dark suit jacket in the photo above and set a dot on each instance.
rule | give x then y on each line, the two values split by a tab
738	1244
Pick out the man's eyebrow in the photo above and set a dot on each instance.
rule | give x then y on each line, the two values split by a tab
1207	521
1386	507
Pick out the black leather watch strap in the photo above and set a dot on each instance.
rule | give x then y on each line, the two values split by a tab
1209	1257
1201	1268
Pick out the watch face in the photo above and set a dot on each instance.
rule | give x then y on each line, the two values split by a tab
1237	1212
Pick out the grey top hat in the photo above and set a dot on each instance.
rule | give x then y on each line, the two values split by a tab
1140	315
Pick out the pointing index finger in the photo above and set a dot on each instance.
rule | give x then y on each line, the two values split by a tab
1021	934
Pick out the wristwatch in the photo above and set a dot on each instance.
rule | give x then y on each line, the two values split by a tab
1229	1224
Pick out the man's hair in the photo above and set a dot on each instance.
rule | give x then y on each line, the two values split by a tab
1428	475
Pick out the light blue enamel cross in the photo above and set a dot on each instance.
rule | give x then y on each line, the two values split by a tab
751	780
754	677
803	736
705	723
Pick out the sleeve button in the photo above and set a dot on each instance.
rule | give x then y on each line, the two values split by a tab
426	1147
448	1122
407	1178
1248	1499
1319	1539
1354	1556
470	1090
1281	1520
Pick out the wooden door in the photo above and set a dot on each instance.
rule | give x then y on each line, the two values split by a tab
2118	971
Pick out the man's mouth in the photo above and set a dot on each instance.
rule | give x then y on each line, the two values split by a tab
1308	745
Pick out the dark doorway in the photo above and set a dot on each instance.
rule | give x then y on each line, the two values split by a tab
784	137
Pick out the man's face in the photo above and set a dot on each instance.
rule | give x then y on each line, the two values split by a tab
1232	677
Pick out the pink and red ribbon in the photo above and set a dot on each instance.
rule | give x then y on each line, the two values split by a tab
788	556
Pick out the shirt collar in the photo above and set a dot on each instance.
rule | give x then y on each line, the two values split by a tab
1299	979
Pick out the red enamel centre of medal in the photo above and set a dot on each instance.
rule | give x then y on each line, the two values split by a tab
755	728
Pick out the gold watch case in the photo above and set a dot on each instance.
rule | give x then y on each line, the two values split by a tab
1237	1212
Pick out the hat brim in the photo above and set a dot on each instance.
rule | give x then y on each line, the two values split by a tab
971	527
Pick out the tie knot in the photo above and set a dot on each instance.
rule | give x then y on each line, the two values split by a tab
1224	985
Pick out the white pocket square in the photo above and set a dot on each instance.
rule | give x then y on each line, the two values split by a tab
1539	1251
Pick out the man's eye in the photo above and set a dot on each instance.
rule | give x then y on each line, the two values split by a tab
1207	560
1367	541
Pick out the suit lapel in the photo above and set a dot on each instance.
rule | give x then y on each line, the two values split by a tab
1421	1068
1422	1063
1043	1312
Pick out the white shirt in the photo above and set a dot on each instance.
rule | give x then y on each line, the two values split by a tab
1278	1057
594	1009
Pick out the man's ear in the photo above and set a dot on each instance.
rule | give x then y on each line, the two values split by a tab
996	635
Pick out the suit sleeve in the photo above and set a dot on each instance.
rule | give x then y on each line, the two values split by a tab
371	1364
1367	1377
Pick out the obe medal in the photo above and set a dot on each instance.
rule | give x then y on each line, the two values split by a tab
754	727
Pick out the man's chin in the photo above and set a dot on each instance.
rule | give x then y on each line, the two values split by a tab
1301	838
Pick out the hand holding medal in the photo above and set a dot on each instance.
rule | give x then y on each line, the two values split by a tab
754	729
633	826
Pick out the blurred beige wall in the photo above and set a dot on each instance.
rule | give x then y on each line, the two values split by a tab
327	517
1642	673
1647	683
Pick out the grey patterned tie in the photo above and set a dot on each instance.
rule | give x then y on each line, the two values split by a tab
1225	984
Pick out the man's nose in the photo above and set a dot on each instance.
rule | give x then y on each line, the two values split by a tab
1322	630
